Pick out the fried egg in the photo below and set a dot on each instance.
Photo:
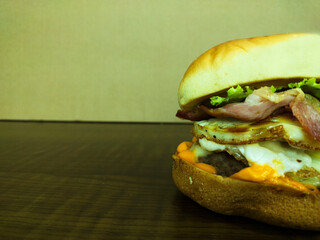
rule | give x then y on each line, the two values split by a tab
236	132
278	155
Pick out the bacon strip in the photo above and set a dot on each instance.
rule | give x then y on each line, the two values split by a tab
193	115
307	110
257	106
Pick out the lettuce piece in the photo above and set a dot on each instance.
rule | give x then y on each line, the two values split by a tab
216	100
237	94
275	89
308	86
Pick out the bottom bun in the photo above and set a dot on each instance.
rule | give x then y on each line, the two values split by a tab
272	204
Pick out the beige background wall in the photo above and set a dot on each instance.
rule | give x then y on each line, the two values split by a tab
121	60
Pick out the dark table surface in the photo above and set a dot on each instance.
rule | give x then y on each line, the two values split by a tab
105	181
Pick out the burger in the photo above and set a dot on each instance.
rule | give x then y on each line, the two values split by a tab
255	151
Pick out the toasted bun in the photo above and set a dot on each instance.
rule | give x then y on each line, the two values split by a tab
249	61
272	204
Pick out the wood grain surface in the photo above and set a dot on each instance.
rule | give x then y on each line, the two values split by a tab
105	181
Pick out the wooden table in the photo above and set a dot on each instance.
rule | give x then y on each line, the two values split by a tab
105	181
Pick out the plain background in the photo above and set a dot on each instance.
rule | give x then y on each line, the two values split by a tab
121	60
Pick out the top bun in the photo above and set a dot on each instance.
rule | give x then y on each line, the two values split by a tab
249	61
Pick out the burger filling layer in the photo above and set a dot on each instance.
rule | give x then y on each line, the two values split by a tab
269	134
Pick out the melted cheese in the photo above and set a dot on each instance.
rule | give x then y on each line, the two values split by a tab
190	152
266	174
255	173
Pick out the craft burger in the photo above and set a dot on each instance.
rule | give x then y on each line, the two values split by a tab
255	152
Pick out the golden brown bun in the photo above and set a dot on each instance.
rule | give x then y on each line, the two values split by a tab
248	61
271	204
